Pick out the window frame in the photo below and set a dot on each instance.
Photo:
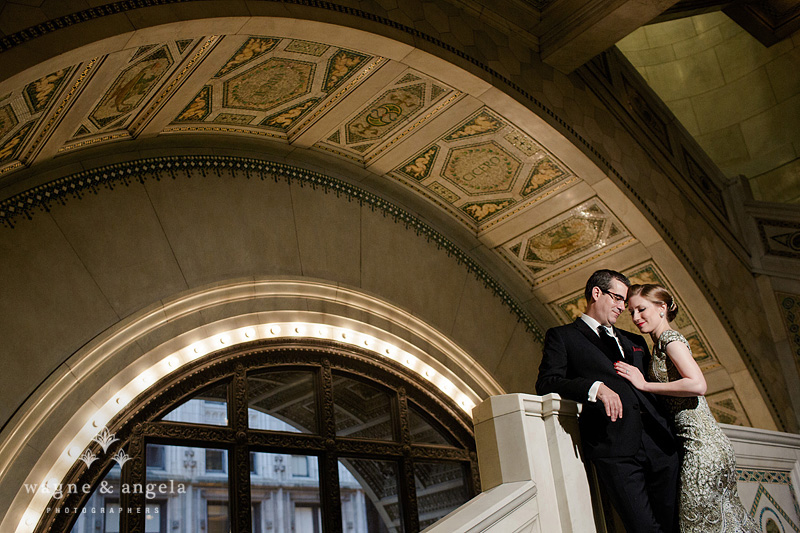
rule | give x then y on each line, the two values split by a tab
141	423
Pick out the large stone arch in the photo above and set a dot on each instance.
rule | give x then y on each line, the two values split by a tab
104	225
102	384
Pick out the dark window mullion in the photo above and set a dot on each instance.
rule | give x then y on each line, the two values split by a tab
239	459
408	489
133	474
186	434
328	461
239	488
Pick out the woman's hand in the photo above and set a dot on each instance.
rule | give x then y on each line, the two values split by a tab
631	373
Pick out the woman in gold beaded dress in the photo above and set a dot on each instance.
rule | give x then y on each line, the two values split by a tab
708	499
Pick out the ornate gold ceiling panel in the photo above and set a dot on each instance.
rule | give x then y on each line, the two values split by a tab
23	113
570	239
132	96
272	86
405	104
482	169
475	163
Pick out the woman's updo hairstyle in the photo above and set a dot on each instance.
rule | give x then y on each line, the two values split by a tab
657	295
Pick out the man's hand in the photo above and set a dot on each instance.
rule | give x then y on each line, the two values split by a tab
611	402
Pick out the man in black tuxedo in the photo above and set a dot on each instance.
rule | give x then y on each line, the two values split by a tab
623	430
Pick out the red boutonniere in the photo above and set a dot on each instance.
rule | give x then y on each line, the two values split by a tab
637	349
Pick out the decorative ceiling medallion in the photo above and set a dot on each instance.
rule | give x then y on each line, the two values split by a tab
133	97
382	115
129	93
482	168
365	133
270	84
169	88
569	308
489	167
567	238
274	82
540	280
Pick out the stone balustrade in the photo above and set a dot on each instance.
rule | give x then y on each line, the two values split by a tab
534	479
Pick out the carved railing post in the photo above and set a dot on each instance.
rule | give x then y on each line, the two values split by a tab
532	474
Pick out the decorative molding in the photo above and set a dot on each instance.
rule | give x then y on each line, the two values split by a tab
485	169
789	305
774	505
746	475
727	408
780	238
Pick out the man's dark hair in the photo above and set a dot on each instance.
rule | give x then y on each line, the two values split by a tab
602	279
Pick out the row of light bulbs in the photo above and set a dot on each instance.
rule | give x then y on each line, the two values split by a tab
209	345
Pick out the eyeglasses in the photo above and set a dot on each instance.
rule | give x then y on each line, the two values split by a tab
617	298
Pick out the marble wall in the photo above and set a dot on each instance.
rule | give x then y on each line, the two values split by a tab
739	99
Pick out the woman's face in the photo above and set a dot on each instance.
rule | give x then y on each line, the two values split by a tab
645	314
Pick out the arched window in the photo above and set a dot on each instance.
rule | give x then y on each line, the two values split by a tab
271	438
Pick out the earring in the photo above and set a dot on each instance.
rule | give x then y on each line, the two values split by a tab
661	315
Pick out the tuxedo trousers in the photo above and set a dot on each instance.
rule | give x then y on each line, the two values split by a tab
643	487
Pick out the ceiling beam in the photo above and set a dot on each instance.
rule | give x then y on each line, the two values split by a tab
574	31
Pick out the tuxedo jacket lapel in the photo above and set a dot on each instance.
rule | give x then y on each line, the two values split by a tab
594	338
587	332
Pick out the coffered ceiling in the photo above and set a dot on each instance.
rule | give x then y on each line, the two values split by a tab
481	165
